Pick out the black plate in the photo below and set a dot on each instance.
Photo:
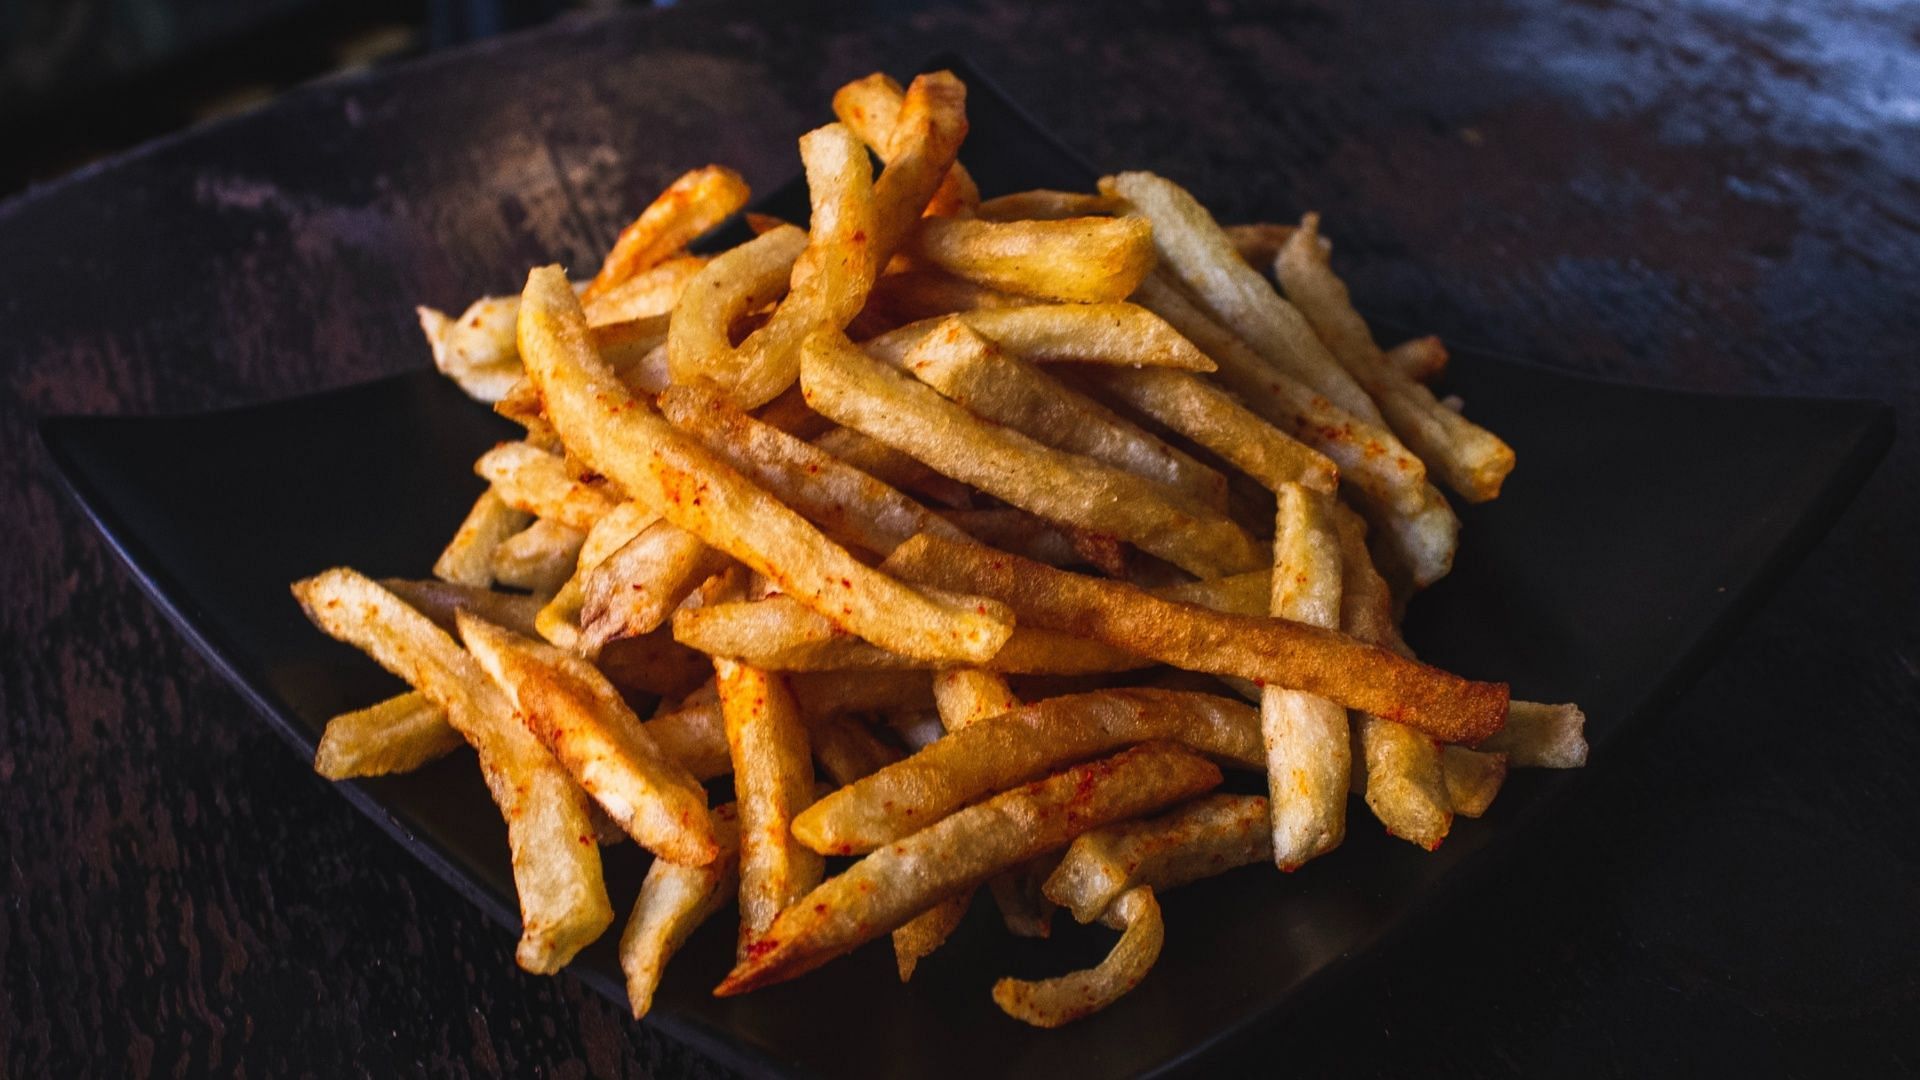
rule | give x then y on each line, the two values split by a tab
1640	525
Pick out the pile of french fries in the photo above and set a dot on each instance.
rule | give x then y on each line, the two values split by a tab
1023	522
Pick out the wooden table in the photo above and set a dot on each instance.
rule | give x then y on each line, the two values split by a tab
1705	194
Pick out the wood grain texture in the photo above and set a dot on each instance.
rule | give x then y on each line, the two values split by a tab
1700	194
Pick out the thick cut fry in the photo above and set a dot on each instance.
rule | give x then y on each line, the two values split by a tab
535	481
675	476
1051	1003
1119	334
965	696
441	601
871	107
1473	778
476	350
636	588
985	379
1194	250
397	735
539	558
1087	260
772	781
847	504
559	620
651	293
781	634
1472	460
1040	204
691	205
1242	594
845	385
890	466
556	864
995	754
468	558
1273	651
1207	836
1211	417
583	722
735	283
1309	757
1541	736
920	153
1422	358
903	879
674	900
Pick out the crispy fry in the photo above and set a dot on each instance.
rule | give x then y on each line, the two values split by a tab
1041	204
468	558
1472	777
917	938
847	386
986	380
890	466
965	696
634	590
737	282
1211	417
1013	529
1051	1003
1275	651
1207	836
1422	358
922	139
1541	736
535	481
650	293
1120	334
1242	594
674	900
691	205
1471	459
397	735
539	558
687	485
1195	251
440	601
556	864
995	754
583	722
900	880
1085	260
773	781
872	107
1309	759
476	350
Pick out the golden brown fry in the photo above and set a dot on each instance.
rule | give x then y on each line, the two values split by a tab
539	558
440	601
1087	260
1041	204
1207	836
736	283
1242	594
995	754
1013	529
582	720
1195	251
397	735
1120	334
772	781
691	205
1051	1003
872	108
890	466
674	900
845	503
1405	785
909	295
917	938
695	735
634	590
559	620
1275	651
1211	417
556	864
652	292
1309	757
1472	460
965	696
468	558
535	481
903	879
1541	736
1421	358
990	382
476	350
845	385
663	468
1473	778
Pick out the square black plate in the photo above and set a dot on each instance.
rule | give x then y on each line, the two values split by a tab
1639	526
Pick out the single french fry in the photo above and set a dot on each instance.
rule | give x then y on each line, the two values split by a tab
917	938
845	385
674	900
691	205
772	781
634	590
965	696
556	864
476	350
1473	778
681	480
1207	836
995	754
468	558
1087	260
1051	1003
1274	651
872	107
1472	460
539	558
1118	334
890	466
441	601
1211	417
535	481
1421	358
903	879
1541	736
397	735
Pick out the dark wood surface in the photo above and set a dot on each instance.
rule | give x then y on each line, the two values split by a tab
1713	195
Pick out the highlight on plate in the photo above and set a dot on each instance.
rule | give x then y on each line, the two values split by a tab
1045	550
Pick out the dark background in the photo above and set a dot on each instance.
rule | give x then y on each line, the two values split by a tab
1712	194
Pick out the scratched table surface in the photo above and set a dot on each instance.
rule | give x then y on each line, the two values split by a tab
1715	194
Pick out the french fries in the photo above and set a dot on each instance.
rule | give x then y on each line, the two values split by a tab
814	491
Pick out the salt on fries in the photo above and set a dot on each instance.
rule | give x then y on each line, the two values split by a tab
822	493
